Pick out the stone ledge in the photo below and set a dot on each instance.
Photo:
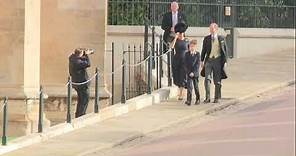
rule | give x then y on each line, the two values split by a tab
60	92
265	33
139	31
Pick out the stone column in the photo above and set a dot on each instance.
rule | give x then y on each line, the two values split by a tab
32	47
32	62
23	77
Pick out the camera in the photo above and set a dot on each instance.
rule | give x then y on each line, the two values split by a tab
87	51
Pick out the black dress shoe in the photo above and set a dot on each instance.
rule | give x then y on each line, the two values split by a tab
188	103
216	101
207	101
197	102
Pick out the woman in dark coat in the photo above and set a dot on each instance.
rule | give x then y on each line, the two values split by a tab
181	46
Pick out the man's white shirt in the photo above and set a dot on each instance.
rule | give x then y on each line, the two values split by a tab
174	18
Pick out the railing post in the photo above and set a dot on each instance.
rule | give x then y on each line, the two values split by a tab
135	91
160	60
69	99
152	13
129	90
112	98
169	68
41	107
153	47
4	128
157	66
123	89
149	76
97	98
146	40
140	86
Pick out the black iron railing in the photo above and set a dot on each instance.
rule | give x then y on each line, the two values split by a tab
199	13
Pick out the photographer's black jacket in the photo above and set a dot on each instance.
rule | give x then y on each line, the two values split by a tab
192	63
77	68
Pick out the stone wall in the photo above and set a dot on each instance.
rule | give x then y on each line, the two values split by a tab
12	14
250	42
66	25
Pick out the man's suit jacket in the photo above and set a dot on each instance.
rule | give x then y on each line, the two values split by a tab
206	50
167	24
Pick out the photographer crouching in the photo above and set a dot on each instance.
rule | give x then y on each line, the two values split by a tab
78	63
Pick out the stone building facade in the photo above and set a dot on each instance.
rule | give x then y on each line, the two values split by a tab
36	38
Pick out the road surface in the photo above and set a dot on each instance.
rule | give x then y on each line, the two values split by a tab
266	128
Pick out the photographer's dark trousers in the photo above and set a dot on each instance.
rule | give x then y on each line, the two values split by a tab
82	100
192	83
213	66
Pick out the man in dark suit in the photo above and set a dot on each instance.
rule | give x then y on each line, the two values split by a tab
169	20
78	63
214	58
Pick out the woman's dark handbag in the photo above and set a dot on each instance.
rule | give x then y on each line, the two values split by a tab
171	36
202	72
223	74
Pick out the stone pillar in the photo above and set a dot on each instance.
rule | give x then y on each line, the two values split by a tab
32	62
24	68
32	47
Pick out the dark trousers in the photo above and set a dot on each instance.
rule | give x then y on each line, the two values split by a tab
82	100
192	83
213	67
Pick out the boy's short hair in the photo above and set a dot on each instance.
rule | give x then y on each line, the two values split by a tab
193	42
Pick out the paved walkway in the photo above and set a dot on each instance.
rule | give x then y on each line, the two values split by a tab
247	76
268	124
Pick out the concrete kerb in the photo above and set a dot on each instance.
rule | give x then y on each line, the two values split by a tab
255	93
92	118
118	143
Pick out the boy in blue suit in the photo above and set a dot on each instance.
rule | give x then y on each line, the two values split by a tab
192	63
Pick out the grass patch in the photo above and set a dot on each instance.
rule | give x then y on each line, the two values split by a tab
9	138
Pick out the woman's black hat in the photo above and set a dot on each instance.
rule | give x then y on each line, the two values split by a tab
180	27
